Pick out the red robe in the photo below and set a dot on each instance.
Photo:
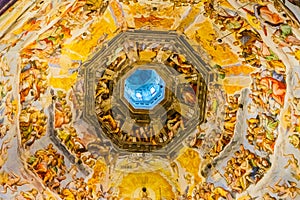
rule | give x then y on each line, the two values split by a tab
276	89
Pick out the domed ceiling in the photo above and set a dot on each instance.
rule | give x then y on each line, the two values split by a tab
141	99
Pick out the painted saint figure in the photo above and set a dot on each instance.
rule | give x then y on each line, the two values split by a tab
274	88
144	195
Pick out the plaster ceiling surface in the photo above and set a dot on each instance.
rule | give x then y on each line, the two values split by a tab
227	128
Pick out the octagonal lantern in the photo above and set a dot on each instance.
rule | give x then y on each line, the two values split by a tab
144	89
149	92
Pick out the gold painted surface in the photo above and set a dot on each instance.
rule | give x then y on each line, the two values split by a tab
237	70
234	84
191	16
63	82
99	174
102	28
147	55
153	21
205	35
158	187
297	54
189	160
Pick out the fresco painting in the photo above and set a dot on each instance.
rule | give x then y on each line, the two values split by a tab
224	122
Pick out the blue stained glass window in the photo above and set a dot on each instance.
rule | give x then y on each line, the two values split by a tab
144	89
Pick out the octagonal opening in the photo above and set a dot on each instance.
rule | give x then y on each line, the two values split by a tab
133	120
144	89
